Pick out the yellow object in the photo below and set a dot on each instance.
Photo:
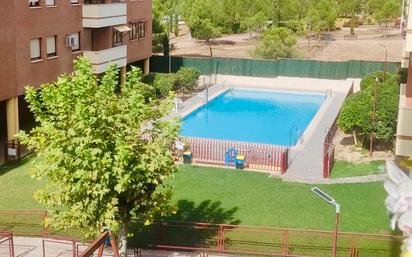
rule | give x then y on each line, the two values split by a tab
240	157
409	254
407	164
12	106
187	153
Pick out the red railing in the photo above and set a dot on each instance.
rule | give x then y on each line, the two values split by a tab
267	241
224	239
329	150
6	238
258	156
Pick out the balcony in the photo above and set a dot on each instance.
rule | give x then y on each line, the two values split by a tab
101	60
104	15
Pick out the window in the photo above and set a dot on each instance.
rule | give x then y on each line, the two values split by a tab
50	3
73	41
35	53
51	46
74	1
133	33
34	3
141	29
117	37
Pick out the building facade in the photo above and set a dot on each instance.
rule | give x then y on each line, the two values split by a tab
404	129
39	39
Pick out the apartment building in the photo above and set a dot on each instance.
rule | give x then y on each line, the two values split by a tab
39	39
404	129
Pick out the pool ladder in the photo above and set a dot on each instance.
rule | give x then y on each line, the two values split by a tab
328	93
295	135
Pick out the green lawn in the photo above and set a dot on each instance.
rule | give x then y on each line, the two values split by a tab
348	169
232	196
17	187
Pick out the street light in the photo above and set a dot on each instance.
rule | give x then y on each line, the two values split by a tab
324	196
375	94
385	67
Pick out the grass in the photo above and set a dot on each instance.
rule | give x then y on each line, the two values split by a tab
232	196
254	199
348	169
17	187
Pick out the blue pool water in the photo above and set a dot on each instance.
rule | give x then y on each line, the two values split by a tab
254	116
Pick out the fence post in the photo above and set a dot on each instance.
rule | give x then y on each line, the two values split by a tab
45	228
285	244
11	245
284	161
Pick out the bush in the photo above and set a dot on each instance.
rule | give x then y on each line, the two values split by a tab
356	113
276	43
162	83
187	78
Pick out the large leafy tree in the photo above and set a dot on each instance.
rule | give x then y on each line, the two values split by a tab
104	151
384	11
351	8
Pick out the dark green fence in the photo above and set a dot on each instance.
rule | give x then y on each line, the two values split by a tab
272	68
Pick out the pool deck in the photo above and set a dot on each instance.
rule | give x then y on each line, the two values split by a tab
306	158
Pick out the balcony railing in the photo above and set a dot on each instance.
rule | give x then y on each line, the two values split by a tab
101	60
104	15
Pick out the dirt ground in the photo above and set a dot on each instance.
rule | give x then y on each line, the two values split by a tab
347	151
368	46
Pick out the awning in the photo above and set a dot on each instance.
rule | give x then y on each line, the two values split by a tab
122	28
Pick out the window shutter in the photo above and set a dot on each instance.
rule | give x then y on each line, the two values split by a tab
51	45
35	48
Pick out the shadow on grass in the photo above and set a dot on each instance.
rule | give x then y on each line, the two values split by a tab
165	233
5	168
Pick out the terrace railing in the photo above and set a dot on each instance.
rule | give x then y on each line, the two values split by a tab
6	244
258	156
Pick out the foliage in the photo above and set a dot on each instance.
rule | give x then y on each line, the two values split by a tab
93	149
357	111
164	83
187	77
351	8
160	40
254	23
276	43
384	11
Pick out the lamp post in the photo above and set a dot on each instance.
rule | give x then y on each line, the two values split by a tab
325	197
375	95
385	66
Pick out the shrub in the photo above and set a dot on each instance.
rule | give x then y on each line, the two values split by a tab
356	113
276	43
162	83
187	78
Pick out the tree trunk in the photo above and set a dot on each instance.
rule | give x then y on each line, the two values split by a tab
123	240
210	48
355	137
352	24
386	28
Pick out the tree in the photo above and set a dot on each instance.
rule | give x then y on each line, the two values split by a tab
255	24
357	111
351	8
203	29
276	43
104	153
384	11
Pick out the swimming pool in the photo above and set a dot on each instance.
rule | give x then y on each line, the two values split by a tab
269	117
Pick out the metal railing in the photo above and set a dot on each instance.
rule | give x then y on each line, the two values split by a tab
257	156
